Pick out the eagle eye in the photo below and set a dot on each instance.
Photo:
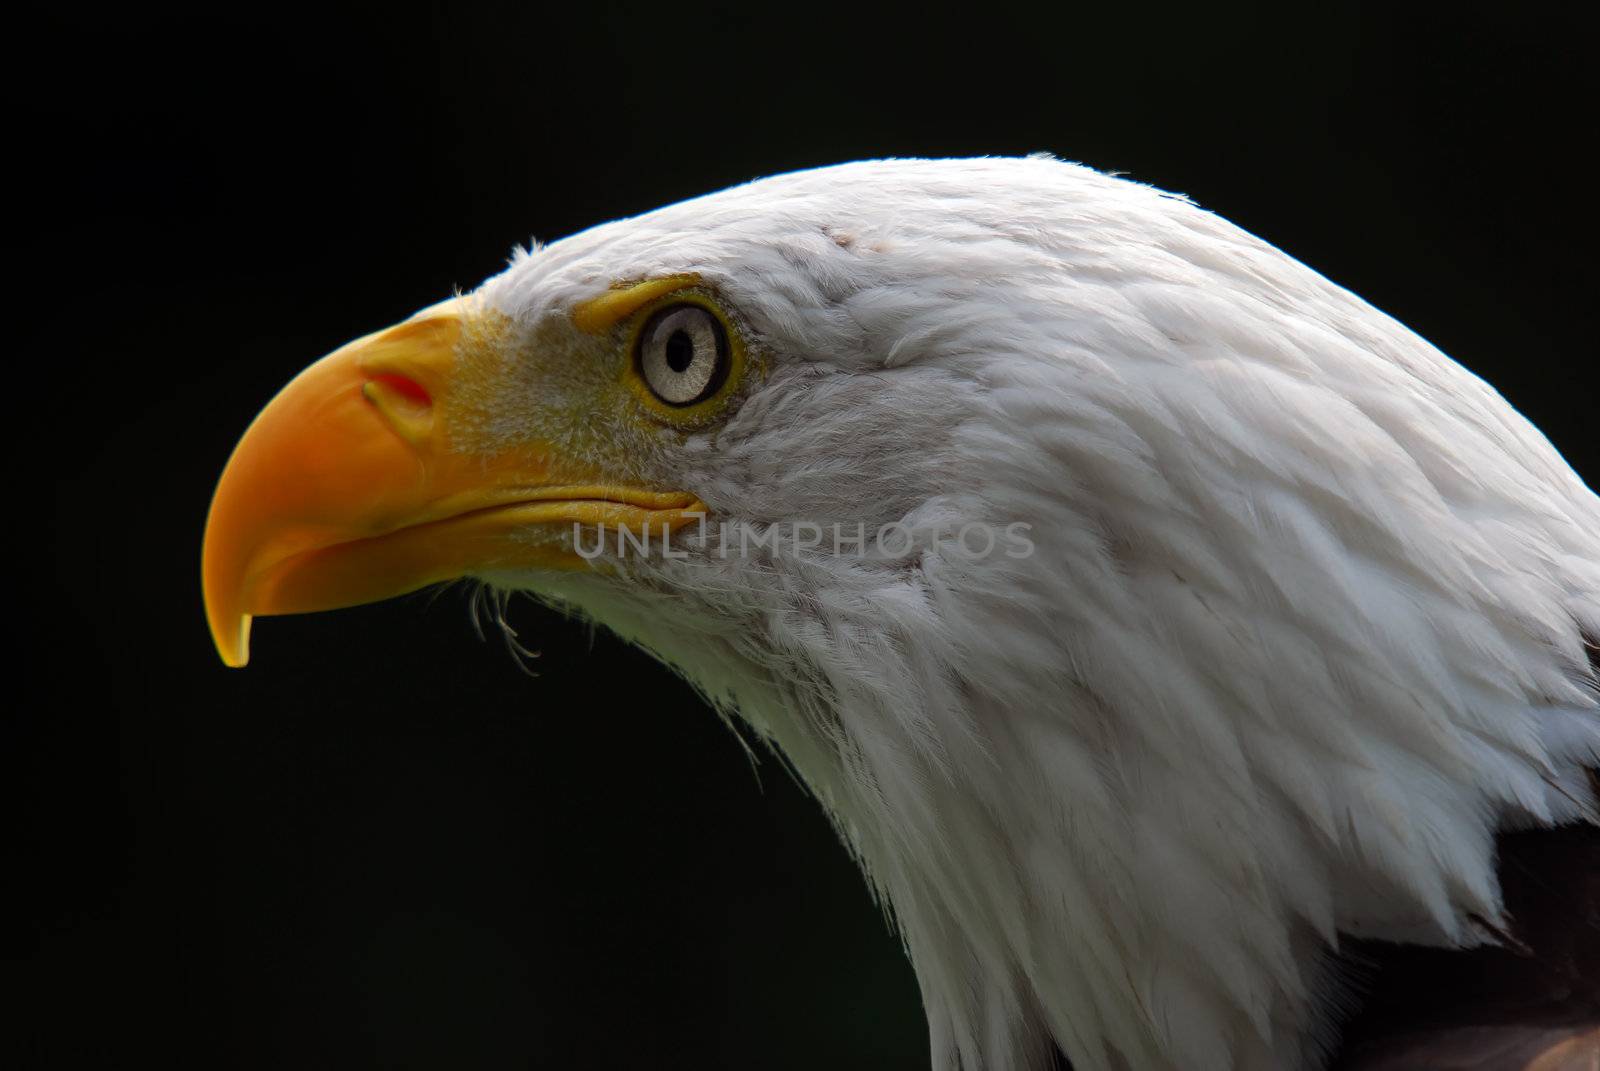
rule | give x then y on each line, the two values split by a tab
683	354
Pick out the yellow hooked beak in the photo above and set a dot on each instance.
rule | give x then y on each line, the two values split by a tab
349	488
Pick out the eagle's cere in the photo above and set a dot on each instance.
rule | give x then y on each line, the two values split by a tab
1298	626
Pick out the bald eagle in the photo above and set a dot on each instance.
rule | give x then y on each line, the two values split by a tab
1166	631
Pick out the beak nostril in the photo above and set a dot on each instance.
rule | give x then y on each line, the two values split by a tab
403	403
406	387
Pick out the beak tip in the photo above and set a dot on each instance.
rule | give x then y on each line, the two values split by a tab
234	650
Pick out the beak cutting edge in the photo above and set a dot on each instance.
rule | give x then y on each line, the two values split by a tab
347	489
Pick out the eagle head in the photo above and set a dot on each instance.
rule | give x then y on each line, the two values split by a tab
1145	611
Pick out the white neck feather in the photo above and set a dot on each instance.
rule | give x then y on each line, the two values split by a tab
1301	631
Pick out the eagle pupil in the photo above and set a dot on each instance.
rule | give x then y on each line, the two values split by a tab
680	351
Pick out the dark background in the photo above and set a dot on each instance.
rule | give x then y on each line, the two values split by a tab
383	844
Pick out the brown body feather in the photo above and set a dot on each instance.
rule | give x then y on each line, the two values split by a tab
1531	1004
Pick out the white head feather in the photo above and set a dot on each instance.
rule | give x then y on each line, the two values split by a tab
1301	629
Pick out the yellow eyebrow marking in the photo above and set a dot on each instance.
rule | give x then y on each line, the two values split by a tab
600	314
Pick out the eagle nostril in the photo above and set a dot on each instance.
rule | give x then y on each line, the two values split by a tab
405	386
403	402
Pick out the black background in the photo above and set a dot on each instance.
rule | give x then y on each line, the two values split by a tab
383	844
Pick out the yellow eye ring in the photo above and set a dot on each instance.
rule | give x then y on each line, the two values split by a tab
720	383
